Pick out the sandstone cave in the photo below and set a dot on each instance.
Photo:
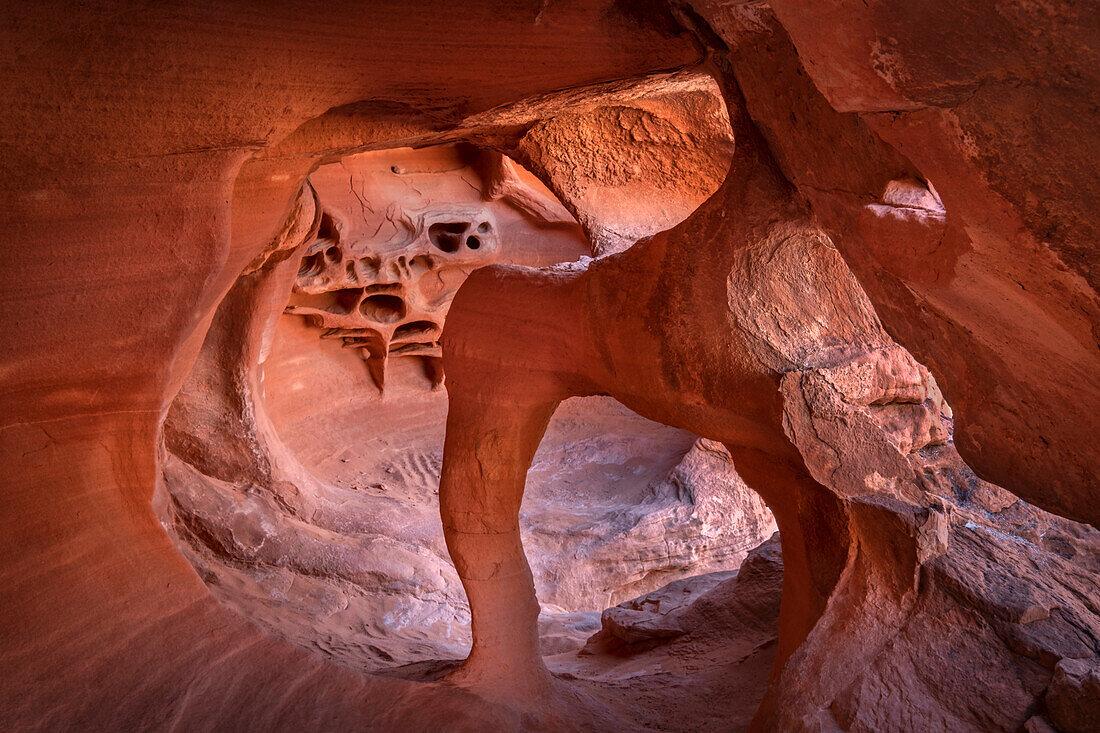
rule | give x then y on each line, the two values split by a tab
603	365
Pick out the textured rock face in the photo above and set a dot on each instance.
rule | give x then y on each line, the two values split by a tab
631	163
387	263
644	623
938	554
941	154
827	418
980	120
353	577
981	604
699	517
347	559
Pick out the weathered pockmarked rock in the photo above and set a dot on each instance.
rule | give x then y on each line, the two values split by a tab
912	192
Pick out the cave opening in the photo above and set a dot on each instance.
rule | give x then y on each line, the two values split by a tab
305	488
401	366
333	543
305	474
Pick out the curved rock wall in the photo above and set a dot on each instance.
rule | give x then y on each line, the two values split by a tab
343	555
154	153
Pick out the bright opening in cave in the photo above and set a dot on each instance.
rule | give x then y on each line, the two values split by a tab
616	507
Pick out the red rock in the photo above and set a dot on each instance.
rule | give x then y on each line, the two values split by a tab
911	193
1073	698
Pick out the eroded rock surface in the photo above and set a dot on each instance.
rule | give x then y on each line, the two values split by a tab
155	204
826	417
934	157
389	257
700	516
343	555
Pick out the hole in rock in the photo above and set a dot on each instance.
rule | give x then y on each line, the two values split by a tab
448	236
383	308
421	264
337	302
327	228
415	330
414	348
473	242
312	265
370	266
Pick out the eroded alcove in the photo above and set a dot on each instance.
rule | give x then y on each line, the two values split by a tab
155	156
337	548
332	538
